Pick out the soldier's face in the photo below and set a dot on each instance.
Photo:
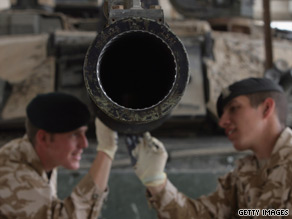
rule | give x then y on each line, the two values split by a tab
66	148
242	123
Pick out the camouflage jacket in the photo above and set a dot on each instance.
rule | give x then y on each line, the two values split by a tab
26	191
248	186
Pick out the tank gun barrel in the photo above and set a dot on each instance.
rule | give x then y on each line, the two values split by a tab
136	69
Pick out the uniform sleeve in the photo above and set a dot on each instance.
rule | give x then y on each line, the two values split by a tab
85	201
172	204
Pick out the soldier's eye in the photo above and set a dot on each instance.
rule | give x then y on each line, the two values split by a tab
233	109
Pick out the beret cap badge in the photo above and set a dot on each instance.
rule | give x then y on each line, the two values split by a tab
225	92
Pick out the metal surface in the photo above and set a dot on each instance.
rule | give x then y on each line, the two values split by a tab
268	35
117	10
18	22
202	9
135	72
46	5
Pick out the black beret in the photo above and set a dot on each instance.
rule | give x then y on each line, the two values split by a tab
57	112
245	86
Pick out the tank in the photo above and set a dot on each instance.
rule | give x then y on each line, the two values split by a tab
65	46
56	44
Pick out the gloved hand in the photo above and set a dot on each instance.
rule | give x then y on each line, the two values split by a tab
151	158
107	139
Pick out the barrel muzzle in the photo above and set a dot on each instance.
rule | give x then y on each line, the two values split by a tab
135	73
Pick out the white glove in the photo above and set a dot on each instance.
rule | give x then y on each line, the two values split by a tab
151	158
107	139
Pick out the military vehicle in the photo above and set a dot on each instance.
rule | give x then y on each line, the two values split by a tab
44	44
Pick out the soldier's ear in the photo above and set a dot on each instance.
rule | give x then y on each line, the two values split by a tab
268	107
42	137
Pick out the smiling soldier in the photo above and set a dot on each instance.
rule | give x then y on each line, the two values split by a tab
55	136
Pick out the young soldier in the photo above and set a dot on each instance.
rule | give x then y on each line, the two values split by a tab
253	113
55	136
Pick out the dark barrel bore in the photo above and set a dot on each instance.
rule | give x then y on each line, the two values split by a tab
136	70
135	73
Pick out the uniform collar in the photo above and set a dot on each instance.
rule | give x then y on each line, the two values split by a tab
29	155
282	141
282	149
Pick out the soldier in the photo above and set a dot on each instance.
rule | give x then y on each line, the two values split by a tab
55	136
253	113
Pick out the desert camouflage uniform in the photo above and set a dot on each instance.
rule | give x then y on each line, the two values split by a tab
249	186
26	191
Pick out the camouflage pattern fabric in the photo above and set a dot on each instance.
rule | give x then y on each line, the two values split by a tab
249	186
26	191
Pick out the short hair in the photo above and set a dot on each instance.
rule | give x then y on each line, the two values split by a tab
31	131
281	103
